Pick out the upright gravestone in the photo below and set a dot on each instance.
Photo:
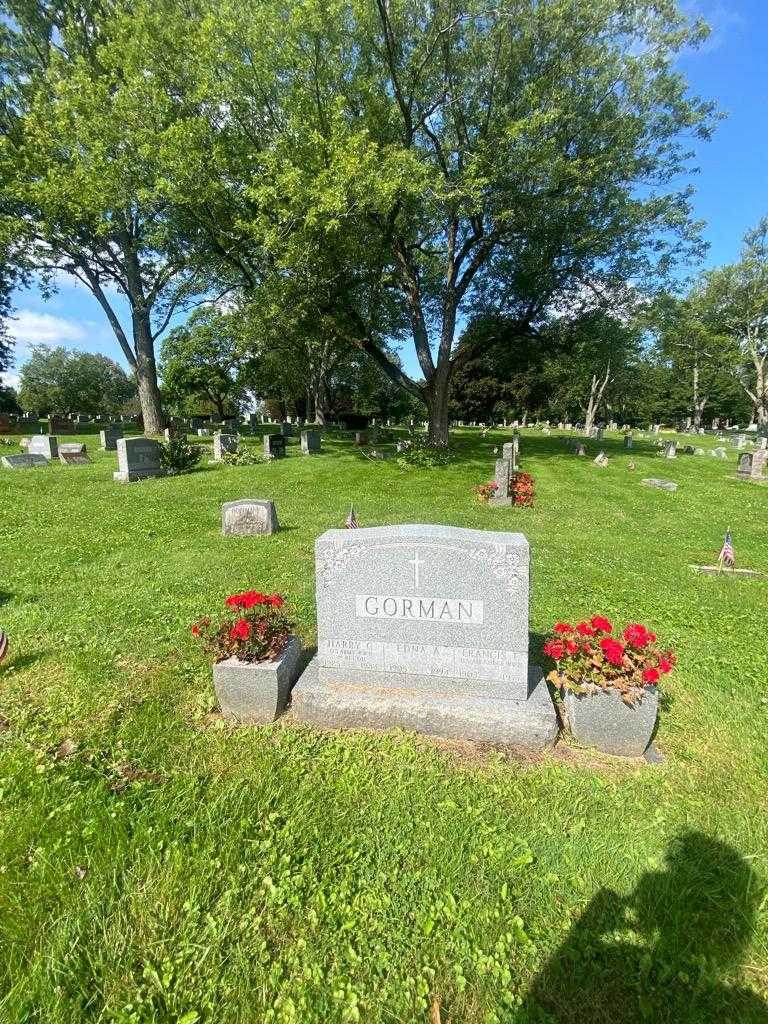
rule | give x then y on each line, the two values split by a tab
311	442
249	517
601	460
223	444
425	628
627	442
46	445
752	465
286	429
361	438
503	479
108	438
137	459
274	446
670	449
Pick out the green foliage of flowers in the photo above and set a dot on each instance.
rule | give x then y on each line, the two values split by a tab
243	456
179	456
418	452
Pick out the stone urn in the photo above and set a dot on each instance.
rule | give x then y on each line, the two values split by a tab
601	719
257	692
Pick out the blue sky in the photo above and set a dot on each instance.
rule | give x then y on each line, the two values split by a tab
731	187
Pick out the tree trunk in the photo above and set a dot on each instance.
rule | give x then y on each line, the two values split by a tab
146	375
595	397
437	404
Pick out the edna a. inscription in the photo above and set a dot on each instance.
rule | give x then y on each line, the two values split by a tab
430	609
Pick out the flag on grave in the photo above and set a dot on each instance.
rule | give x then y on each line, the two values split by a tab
727	555
351	522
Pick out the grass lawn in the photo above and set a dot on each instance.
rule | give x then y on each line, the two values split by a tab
158	866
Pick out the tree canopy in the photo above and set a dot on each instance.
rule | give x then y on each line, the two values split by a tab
59	380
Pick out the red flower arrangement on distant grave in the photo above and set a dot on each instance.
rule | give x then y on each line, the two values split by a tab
486	491
521	485
589	657
255	628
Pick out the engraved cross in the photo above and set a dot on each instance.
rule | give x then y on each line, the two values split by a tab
417	563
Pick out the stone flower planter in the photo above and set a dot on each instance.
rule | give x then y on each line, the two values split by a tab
257	692
602	720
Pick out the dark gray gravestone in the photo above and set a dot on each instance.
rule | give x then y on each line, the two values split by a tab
249	517
286	430
74	459
224	444
137	459
108	438
311	442
24	461
274	446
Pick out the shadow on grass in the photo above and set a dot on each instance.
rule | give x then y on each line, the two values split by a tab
663	953
5	596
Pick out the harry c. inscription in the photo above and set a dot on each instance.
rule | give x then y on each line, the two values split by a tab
424	627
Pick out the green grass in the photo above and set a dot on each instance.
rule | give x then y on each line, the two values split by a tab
172	870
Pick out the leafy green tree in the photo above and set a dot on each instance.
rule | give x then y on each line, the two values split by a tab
82	123
428	160
737	298
201	361
59	380
692	337
499	370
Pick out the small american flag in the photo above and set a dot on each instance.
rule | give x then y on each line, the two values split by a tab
3	645
351	522
727	555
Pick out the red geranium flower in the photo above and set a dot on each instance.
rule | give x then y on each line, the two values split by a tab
554	649
613	649
601	623
584	629
637	635
571	646
195	630
651	675
241	630
234	600
665	665
563	627
276	601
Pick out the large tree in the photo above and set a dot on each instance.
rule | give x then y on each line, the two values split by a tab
428	159
82	120
201	360
693	338
738	296
59	380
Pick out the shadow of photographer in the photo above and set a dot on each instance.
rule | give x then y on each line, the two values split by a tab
663	954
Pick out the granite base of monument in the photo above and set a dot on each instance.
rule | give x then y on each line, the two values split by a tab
529	724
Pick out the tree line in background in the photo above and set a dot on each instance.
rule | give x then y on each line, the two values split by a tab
313	187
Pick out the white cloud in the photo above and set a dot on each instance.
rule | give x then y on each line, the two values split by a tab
722	19
9	380
29	328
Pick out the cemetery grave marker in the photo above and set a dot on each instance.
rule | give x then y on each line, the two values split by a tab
108	438
46	445
137	458
74	454
311	442
249	517
286	429
425	628
662	485
223	444
274	446
24	461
